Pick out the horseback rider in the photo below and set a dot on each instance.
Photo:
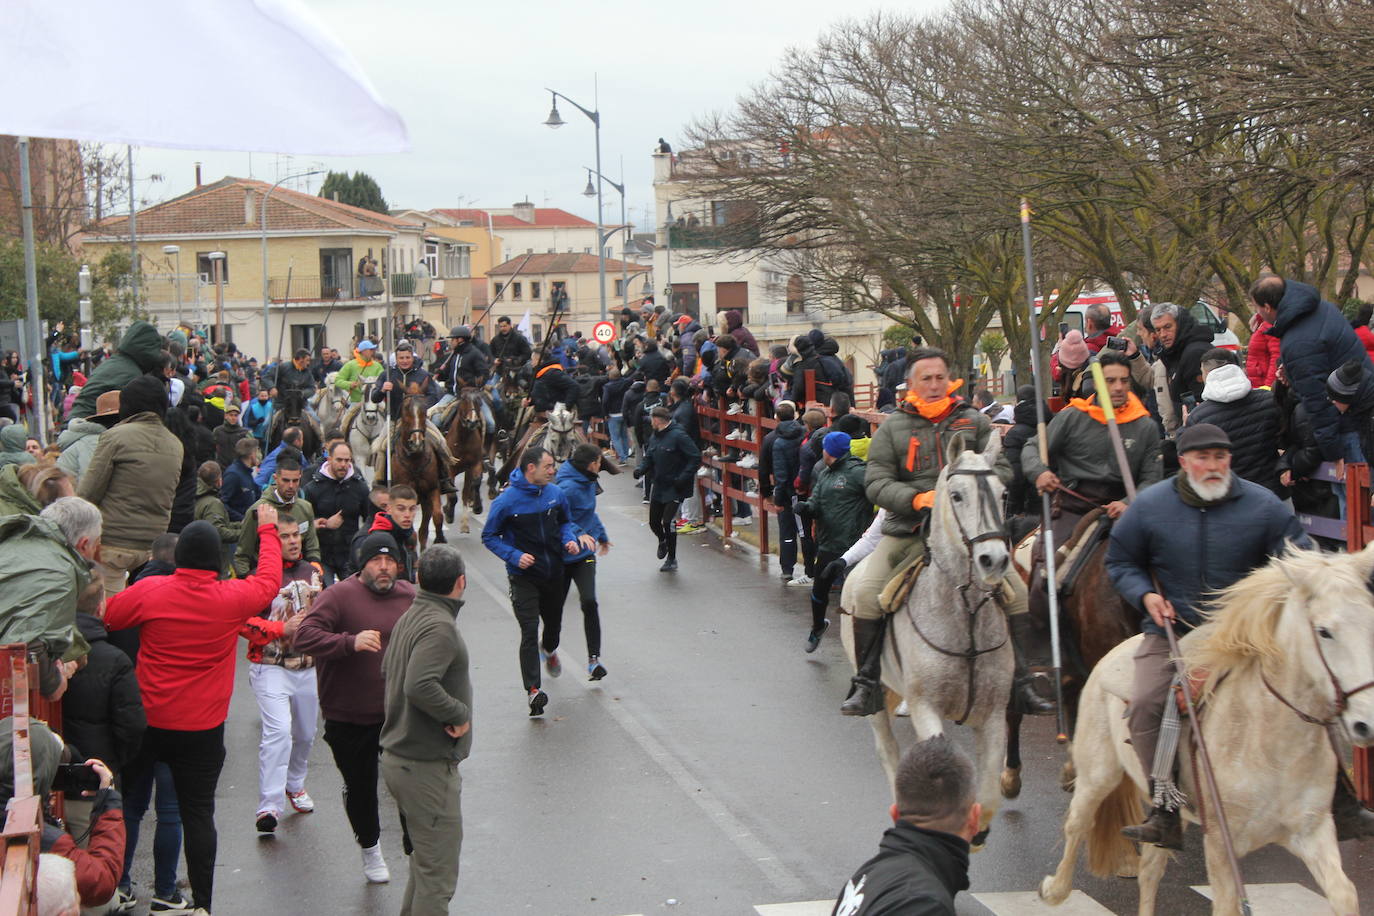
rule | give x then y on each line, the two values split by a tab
904	463
408	377
463	367
358	371
1200	533
552	386
294	375
509	348
1083	474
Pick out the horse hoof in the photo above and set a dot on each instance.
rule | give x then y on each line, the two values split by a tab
1011	782
1129	870
1049	894
1068	776
463	529
980	840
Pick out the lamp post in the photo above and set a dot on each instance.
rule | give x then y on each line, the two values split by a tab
266	297
217	265
175	252
555	120
604	237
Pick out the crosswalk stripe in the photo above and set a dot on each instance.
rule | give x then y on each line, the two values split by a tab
1277	899
1028	903
809	908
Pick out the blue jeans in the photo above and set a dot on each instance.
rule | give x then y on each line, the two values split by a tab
167	836
615	427
1354	453
487	417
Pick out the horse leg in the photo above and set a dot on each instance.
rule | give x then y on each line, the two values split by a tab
437	516
888	751
1153	861
1322	856
1011	775
465	499
991	743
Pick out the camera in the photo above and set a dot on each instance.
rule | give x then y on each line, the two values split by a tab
75	778
1116	343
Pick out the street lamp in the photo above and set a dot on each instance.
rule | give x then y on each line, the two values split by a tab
266	299
604	237
175	251
555	120
217	266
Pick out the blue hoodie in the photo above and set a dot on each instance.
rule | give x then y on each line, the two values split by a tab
529	519
581	492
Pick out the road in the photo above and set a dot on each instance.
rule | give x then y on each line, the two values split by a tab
709	773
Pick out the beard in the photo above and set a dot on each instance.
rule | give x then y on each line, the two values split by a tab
381	583
1210	487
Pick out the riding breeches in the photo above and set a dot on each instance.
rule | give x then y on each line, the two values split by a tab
439	442
864	586
1154	673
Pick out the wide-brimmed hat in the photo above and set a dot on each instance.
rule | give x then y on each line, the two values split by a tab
106	409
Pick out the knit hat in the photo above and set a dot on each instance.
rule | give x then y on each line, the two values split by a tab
849	424
803	345
1025	393
143	394
198	547
1073	352
1344	383
836	444
1203	435
376	544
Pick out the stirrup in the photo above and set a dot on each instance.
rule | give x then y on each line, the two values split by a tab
1162	828
865	697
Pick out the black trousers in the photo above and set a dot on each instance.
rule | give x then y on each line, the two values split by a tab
583	572
820	588
356	750
534	600
195	759
663	523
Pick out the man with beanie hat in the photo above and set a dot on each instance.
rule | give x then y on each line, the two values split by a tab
840	512
132	478
346	632
189	626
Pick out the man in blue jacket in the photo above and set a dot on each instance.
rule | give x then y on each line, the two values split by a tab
1201	531
530	527
577	479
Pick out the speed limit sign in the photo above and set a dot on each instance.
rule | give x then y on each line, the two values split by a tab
603	332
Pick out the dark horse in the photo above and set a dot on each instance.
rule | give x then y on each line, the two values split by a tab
467	441
513	387
1093	621
415	464
290	411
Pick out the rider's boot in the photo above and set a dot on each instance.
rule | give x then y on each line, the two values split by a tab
1032	690
1163	828
866	695
1353	821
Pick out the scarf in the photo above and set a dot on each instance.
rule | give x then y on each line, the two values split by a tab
362	360
1133	410
934	411
1190	496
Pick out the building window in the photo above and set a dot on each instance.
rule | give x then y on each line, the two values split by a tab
515	291
535	289
457	261
686	299
495	291
205	267
587	250
796	296
432	258
619	287
606	252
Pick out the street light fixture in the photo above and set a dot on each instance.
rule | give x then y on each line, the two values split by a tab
266	298
555	120
175	251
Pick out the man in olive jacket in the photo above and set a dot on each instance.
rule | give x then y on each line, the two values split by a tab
138	352
904	464
428	729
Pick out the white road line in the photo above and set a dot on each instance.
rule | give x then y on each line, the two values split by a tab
1028	903
774	869
809	908
1277	899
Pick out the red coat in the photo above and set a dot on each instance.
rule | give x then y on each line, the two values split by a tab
189	623
1367	338
100	864
1262	359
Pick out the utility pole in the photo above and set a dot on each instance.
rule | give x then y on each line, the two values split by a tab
35	335
133	227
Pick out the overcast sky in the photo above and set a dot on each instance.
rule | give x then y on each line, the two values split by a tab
469	80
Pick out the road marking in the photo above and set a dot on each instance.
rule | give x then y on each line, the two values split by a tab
774	869
810	908
1277	899
1028	903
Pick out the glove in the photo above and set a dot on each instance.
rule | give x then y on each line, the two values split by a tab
780	497
834	569
639	472
804	508
923	500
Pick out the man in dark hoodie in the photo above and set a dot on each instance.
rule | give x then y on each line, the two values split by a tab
654	365
922	862
138	352
1022	497
780	454
732	324
1183	342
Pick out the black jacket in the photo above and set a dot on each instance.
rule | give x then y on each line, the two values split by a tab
226	437
1251	419
553	386
102	712
916	872
613	395
831	373
512	349
1022	497
1183	360
685	416
589	387
464	367
328	496
670	462
401	381
654	365
286	376
785	452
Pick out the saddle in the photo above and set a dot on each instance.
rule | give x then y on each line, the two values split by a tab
898	588
1091	531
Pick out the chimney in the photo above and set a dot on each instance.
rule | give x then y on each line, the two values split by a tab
524	210
250	215
197	174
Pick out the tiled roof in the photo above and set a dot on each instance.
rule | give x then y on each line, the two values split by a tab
219	207
544	218
560	264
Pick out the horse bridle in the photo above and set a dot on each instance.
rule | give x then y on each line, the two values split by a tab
1342	695
985	493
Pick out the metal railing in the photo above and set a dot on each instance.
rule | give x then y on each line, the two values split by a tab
307	288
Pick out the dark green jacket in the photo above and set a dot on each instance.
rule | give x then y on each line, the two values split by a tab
15	499
300	511
839	505
133	478
136	355
210	509
427	684
1080	448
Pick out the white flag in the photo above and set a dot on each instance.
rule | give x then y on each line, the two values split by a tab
524	326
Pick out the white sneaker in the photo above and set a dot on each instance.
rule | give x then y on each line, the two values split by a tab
743	521
704	471
735	409
736	434
802	581
374	866
748	461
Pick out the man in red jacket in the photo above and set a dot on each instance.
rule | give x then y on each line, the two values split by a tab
189	626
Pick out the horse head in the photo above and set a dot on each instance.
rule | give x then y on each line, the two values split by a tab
967	519
292	406
413	424
561	419
470	409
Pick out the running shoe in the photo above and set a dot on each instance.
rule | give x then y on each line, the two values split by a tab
538	700
735	435
267	822
669	565
813	639
595	670
125	900
374	866
748	461
174	904
551	663
735	409
802	581
689	528
743	521
301	802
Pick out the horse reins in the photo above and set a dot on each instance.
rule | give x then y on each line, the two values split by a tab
1342	695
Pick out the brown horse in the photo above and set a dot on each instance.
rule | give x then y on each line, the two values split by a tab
415	464
1093	621
467	441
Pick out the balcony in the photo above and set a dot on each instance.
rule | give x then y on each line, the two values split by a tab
305	288
737	236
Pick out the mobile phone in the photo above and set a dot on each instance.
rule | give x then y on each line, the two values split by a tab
75	778
1063	329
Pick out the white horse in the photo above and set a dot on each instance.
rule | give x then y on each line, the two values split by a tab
560	436
329	403
1297	635
364	424
948	652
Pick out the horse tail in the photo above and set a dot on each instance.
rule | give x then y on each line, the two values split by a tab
1108	850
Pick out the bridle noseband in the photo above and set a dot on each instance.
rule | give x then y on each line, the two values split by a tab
1342	695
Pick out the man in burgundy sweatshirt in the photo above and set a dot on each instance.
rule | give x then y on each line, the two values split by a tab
189	626
346	632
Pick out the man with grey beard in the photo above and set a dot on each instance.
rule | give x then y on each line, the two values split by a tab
1201	531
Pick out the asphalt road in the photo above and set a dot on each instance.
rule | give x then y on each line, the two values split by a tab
709	773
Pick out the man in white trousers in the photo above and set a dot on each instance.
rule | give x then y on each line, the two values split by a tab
283	680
